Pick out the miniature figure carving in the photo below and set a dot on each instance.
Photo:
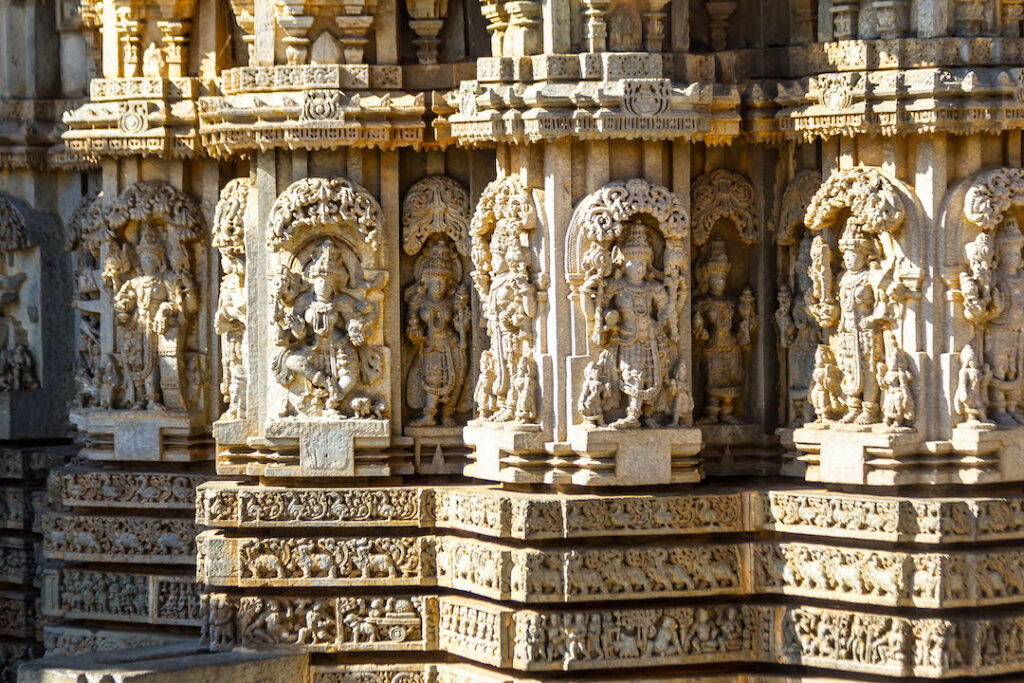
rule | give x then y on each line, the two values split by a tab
898	408
438	326
509	296
799	333
722	327
825	393
972	389
596	390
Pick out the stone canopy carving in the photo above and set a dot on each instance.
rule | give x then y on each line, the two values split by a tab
861	374
724	320
230	318
329	355
135	255
627	266
506	279
435	225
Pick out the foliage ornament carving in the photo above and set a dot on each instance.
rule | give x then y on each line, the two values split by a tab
325	297
723	194
435	225
861	375
626	262
230	319
17	364
724	322
506	278
989	387
141	243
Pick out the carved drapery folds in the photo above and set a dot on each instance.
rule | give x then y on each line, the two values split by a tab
799	333
506	279
325	296
627	267
724	312
17	361
230	318
136	264
861	374
990	384
435	230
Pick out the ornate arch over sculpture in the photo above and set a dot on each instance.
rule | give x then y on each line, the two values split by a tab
325	294
504	273
143	244
626	265
438	316
861	373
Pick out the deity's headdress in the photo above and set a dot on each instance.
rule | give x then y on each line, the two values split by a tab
718	257
853	240
437	262
1009	235
326	262
149	244
637	244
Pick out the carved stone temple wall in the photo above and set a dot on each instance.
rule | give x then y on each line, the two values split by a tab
488	341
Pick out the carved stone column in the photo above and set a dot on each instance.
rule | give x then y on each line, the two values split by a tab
845	16
175	39
719	12
426	18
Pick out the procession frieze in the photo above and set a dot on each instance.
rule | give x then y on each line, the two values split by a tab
122	597
93	488
70	640
150	540
17	614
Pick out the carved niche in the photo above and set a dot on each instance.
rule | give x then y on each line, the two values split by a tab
17	358
136	277
328	355
627	268
860	287
799	333
723	310
505	276
438	316
990	382
230	318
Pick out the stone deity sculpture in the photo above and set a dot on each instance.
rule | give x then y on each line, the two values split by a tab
438	326
722	328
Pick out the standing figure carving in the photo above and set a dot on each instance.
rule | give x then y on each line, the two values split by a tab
859	310
722	327
507	283
17	365
630	281
799	334
724	309
230	319
325	296
137	249
438	314
151	307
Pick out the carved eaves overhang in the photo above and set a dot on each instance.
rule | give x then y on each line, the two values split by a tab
586	96
30	134
311	107
960	86
135	116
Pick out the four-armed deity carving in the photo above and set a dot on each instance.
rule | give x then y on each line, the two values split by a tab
137	249
506	279
325	298
438	316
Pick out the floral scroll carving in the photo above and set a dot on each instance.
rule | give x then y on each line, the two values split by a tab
325	297
138	250
724	320
990	388
626	263
861	375
506	279
799	334
17	364
230	320
435	224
